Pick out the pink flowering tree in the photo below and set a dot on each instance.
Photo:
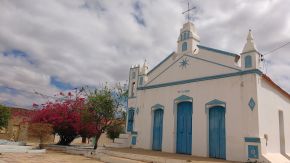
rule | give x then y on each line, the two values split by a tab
67	118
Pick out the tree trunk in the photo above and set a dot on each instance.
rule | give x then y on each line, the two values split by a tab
84	139
97	139
66	139
40	142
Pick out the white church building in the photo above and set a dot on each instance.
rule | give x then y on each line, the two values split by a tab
207	102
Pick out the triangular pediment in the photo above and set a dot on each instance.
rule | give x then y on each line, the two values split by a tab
188	67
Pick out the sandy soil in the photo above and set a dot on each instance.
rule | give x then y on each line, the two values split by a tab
48	157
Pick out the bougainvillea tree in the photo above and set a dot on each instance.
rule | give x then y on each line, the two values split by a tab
68	117
86	114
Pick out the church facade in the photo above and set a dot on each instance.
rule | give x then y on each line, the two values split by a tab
207	102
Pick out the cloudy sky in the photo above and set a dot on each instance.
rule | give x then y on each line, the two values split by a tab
57	45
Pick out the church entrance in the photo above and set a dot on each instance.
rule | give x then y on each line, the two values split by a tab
184	128
157	130
130	120
217	134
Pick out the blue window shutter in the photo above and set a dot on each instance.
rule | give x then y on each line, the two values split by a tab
184	46
248	61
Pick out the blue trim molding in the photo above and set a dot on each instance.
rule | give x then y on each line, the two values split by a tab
160	63
182	98
215	63
157	106
254	71
252	139
217	51
252	104
233	68
201	47
216	102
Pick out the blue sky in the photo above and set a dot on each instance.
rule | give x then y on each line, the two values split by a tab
58	45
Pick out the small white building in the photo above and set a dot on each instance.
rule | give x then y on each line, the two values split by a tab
207	102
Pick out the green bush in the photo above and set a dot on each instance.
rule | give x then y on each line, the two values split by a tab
114	131
4	116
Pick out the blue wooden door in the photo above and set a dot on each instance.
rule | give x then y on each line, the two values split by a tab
157	130
184	128
130	120
217	133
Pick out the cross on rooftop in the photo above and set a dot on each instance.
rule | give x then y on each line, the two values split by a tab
188	10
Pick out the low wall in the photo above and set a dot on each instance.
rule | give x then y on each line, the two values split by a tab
79	150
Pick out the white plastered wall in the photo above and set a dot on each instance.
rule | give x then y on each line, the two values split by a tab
240	120
270	102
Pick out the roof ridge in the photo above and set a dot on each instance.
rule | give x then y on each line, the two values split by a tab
218	50
281	90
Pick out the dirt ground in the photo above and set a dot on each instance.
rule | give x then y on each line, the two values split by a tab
48	157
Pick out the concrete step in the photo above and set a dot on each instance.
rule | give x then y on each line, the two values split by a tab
124	136
19	149
37	151
14	148
112	159
121	140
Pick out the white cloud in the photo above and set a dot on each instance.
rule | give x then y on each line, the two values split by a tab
88	42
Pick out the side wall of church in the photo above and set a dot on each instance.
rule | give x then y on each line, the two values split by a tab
270	102
241	121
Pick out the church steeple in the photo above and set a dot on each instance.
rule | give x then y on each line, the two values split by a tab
250	45
188	39
251	58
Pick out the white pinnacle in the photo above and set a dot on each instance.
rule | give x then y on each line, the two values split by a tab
250	45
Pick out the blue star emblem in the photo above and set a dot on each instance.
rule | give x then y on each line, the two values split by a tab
183	63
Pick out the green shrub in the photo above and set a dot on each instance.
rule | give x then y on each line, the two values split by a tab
114	131
4	116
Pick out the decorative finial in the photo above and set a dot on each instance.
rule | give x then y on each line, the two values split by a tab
187	11
250	36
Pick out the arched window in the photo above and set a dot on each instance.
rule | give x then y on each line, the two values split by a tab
248	61
184	46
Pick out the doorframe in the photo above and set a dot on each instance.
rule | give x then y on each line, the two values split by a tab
153	108
176	101
209	105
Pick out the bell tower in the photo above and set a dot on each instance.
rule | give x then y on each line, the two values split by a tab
251	58
188	39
